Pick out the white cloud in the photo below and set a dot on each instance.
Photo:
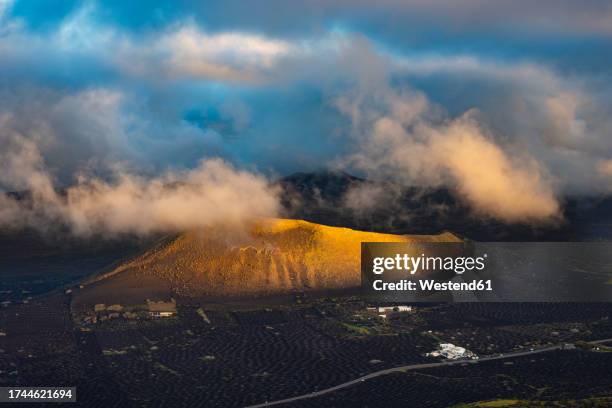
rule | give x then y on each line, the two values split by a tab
399	135
214	193
186	52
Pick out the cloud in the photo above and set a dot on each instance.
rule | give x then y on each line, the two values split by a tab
224	56
455	16
494	182
184	52
102	97
181	51
366	197
400	136
95	129
212	193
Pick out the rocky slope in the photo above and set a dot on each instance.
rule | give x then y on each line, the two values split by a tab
271	256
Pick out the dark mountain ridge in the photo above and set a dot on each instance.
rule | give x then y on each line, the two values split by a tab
321	197
324	196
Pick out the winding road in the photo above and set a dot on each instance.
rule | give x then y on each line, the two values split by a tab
402	369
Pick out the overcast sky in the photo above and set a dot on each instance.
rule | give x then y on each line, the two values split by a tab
388	89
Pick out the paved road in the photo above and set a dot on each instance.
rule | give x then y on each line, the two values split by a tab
402	369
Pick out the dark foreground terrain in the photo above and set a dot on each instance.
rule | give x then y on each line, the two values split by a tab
32	263
243	354
233	354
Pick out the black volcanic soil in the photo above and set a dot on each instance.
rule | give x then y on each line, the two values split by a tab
243	357
32	263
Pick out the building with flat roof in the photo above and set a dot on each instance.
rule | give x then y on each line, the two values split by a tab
161	308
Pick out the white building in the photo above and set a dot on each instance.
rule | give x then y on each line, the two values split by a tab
384	311
452	352
398	308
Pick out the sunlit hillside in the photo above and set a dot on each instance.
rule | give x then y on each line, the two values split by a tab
271	256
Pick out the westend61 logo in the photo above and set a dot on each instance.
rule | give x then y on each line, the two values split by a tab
412	264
